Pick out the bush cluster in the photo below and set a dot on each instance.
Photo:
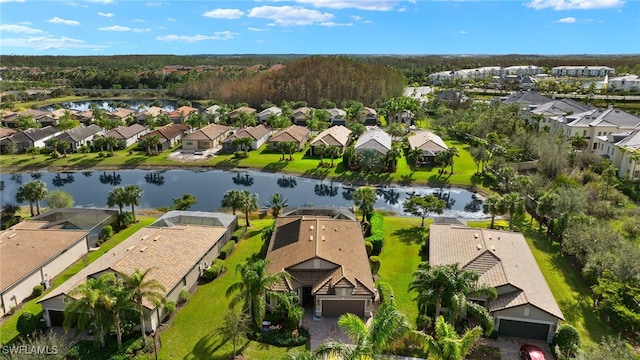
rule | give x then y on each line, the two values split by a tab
28	323
282	338
377	233
37	291
214	270
227	249
374	262
385	291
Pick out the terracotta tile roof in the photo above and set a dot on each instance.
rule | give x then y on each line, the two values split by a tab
299	239
292	133
333	136
126	132
24	249
209	132
183	111
502	258
4	132
169	131
171	252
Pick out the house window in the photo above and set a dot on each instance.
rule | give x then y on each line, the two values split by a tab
599	133
189	142
205	143
584	133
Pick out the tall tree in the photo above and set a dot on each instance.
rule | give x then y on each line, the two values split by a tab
513	204
423	206
185	202
132	195
33	191
248	203
447	344
333	152
142	288
117	196
59	199
118	303
364	198
494	206
452	153
232	200
27	122
276	203
320	150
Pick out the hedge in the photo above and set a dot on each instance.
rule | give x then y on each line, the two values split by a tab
282	338
374	262
377	233
226	249
214	270
385	290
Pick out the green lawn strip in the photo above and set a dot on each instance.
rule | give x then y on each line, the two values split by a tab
8	331
193	335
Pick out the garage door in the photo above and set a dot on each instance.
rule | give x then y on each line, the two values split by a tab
335	308
523	329
56	317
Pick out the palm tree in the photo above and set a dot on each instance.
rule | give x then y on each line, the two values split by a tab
283	147
117	303
248	203
320	150
494	206
369	338
232	200
253	288
370	160
442	159
117	196
132	195
197	121
364	198
480	154
447	344
142	288
149	142
415	155
291	147
452	152
242	143
276	203
392	156
185	202
33	151
333	152
88	308
513	204
64	145
33	191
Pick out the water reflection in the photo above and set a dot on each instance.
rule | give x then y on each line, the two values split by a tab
155	178
110	179
347	193
59	181
390	195
2	185
325	190
36	175
446	197
245	180
87	173
17	178
474	205
288	182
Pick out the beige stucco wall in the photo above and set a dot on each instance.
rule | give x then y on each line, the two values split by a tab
57	303
535	315
343	294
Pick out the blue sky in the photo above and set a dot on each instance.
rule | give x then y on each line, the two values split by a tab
112	27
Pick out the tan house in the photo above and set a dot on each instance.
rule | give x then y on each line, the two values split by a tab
208	137
374	139
181	114
85	117
120	114
327	261
170	135
258	134
301	115
152	112
295	133
334	136
525	306
233	115
130	134
178	247
45	118
430	144
31	256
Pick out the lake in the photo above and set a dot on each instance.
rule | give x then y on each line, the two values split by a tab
91	188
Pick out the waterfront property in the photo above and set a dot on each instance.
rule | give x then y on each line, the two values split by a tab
294	133
92	220
430	144
258	134
129	134
334	136
177	248
30	138
82	135
208	137
374	139
170	135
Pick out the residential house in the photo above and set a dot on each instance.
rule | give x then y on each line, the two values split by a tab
92	220
177	248
301	115
213	112
522	70
597	122
77	137
334	136
430	144
295	133
60	113
528	100
31	138
181	114
622	149
546	114
6	133
327	261
374	139
582	71
264	114
525	306
152	112
121	114
258	134
170	135
85	117
45	118
405	117
130	134
630	83
31	256
208	137
371	117
234	114
338	117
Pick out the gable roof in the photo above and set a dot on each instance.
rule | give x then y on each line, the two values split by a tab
169	131
501	258
4	132
121	113
561	107
183	111
374	138
272	110
126	132
333	136
292	133
209	132
253	132
631	141
526	98
243	109
32	135
428	142
603	117
298	239
80	133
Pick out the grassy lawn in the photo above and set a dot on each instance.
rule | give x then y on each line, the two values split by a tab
8	332
193	334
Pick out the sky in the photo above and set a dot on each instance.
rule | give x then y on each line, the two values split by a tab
401	27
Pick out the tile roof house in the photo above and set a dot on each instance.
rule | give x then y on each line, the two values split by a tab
258	134
371	117
525	306
176	252
550	111
87	219
208	137
45	118
264	114
327	261
525	98
130	134
152	112
85	117
170	135
31	256
6	132
430	144
374	139
301	115
120	114
334	136
295	133
80	136
233	115
594	123
31	137
181	114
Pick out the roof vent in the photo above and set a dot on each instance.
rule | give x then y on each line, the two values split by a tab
142	249
479	246
322	237
130	247
322	227
311	227
493	248
310	237
475	235
156	238
12	235
489	236
144	237
498	237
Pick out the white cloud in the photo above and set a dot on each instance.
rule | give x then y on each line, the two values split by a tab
101	1
171	19
290	15
461	32
137	30
220	35
57	20
332	24
574	4
138	21
153	4
256	29
46	43
115	28
5	1
375	5
19	29
224	13
566	20
108	15
356	17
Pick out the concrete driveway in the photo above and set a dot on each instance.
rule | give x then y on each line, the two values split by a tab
510	347
322	330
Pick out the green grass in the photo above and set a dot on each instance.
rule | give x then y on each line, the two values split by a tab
8	332
193	334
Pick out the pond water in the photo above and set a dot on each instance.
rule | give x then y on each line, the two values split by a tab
91	188
133	104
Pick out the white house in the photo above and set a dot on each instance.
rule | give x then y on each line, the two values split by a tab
582	71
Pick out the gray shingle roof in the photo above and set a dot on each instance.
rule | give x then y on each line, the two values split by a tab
79	133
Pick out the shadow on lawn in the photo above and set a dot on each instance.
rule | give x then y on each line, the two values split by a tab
275	166
209	345
412	235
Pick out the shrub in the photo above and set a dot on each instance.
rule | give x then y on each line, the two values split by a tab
107	232
214	270
377	233
567	340
241	155
227	249
385	291
369	246
184	296
374	262
282	338
169	308
37	290
424	322
124	220
28	323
